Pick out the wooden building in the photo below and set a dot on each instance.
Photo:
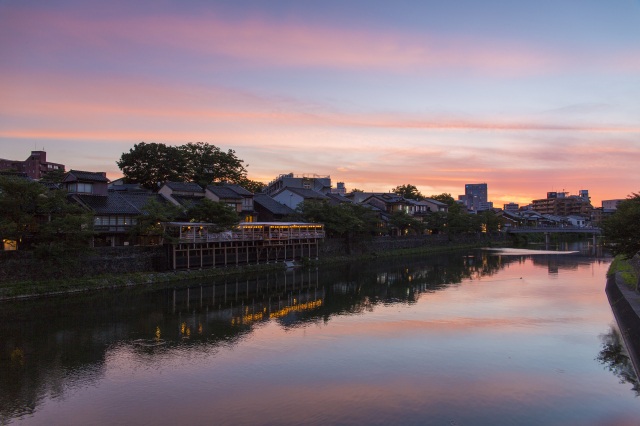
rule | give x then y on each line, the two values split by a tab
197	245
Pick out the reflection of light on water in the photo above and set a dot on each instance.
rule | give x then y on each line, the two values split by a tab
520	252
149	343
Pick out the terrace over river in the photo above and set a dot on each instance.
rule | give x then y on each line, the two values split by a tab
476	337
200	245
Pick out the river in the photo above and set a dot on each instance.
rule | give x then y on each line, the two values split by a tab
476	337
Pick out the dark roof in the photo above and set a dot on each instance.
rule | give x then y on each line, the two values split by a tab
86	176
113	203
271	205
238	189
117	202
224	192
436	202
185	186
187	200
130	187
338	199
139	199
386	198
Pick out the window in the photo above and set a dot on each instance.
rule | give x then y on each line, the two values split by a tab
80	187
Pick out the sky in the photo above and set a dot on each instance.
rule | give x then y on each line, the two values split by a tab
528	97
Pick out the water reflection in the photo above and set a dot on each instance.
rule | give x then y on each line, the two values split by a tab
52	347
615	359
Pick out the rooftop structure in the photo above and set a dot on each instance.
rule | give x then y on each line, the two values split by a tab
314	182
35	166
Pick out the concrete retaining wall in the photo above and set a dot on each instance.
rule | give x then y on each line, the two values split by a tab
381	244
21	265
625	304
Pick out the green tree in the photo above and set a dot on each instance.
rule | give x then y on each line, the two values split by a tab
458	220
406	223
344	220
251	185
53	176
444	198
436	222
622	228
152	164
408	191
34	216
489	221
206	164
154	212
220	214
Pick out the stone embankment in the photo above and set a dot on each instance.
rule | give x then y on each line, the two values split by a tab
625	304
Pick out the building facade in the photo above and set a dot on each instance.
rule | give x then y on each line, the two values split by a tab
313	182
35	166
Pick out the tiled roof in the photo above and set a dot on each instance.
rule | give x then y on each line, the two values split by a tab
112	203
186	200
271	205
224	192
139	199
87	176
185	186
338	199
436	202
238	189
130	203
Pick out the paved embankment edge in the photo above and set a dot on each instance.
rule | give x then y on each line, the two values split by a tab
625	304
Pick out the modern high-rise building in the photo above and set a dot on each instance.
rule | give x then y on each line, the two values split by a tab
475	197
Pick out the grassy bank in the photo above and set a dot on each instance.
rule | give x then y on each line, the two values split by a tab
624	269
30	289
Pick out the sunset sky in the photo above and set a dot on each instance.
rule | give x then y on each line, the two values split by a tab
527	96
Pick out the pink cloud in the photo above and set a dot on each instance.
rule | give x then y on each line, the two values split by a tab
269	43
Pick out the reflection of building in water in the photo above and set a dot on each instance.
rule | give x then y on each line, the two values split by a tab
242	302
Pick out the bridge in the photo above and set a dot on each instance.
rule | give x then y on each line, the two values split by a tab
547	230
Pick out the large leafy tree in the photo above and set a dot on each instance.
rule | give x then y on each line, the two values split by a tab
207	163
34	216
623	227
151	164
408	191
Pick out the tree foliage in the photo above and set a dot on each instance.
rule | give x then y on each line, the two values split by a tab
622	229
251	185
444	198
218	213
406	223
151	164
148	224
39	218
342	220
408	191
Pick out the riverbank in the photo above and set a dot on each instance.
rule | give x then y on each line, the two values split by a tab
625	304
24	289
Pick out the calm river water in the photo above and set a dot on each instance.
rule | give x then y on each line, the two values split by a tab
468	338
